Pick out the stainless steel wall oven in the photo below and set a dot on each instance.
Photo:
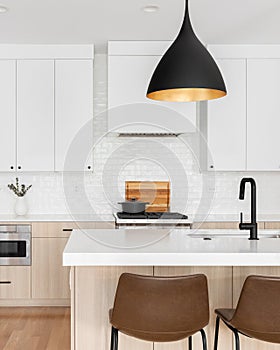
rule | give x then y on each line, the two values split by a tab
15	244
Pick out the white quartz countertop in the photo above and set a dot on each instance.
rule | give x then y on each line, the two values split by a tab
57	218
235	218
110	218
181	247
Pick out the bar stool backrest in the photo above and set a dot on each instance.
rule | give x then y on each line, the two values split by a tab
161	304
258	310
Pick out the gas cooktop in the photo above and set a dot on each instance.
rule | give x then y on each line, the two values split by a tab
152	216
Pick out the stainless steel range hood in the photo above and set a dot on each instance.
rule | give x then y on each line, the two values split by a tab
129	134
148	120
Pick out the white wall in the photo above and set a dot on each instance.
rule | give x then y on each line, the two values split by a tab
52	194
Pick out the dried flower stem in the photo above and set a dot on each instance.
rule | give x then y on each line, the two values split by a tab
19	190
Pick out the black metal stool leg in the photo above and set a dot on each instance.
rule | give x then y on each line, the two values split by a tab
217	333
237	341
204	340
114	339
190	343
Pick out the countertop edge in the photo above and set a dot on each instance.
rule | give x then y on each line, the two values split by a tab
167	259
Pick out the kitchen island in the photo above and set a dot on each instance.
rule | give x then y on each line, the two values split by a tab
98	257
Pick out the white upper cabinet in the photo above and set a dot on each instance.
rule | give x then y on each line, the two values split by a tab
8	115
46	99
227	120
130	68
73	114
263	114
243	128
35	115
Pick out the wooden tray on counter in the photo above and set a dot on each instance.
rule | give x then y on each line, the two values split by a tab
157	193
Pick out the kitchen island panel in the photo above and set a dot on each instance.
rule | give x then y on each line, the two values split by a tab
94	291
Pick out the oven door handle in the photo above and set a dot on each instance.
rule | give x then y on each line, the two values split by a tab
28	248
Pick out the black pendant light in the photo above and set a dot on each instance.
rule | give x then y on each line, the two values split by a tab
187	71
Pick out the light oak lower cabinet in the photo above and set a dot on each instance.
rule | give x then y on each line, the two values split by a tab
215	225
226	225
50	280
14	282
46	281
64	229
272	225
239	276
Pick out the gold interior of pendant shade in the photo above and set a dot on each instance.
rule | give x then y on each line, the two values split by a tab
186	94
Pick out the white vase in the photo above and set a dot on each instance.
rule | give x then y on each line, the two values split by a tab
21	207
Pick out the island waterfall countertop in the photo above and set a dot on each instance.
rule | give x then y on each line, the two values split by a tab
159	247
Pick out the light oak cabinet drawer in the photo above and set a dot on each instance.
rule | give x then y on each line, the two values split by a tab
64	229
15	282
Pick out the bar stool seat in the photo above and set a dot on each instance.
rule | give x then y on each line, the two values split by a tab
257	314
160	309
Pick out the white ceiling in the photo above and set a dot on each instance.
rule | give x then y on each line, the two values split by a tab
97	21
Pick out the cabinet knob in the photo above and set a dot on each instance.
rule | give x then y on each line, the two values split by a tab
89	167
19	167
11	167
211	166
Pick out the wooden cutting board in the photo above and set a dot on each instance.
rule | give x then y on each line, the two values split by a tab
157	193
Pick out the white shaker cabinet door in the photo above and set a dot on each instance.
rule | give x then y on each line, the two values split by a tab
35	115
8	115
263	114
128	80
73	115
227	120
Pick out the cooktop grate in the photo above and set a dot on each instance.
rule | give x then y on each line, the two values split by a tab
152	216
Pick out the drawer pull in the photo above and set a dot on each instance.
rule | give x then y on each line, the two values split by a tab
5	282
67	229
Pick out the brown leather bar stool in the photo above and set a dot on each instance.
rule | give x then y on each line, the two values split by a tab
257	314
160	309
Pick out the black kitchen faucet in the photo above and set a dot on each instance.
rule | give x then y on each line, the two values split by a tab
252	226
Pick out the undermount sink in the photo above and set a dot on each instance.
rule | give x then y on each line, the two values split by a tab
209	237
